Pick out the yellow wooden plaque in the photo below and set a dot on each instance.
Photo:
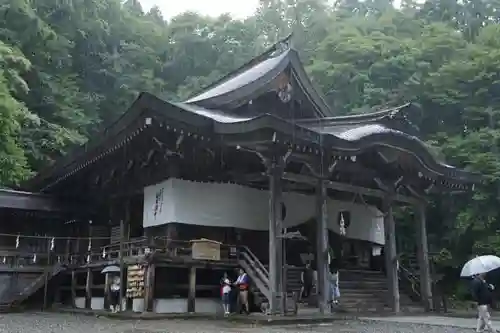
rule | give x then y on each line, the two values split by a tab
205	249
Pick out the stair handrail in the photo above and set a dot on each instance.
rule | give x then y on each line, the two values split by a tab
405	275
259	282
25	292
254	259
260	274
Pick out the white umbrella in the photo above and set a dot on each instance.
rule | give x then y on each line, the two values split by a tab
480	265
111	269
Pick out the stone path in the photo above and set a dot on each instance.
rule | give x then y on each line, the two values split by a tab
59	323
433	320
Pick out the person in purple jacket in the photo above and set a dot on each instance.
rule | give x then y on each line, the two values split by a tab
243	284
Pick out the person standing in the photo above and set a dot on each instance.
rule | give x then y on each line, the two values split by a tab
482	293
243	284
334	285
114	292
306	279
225	294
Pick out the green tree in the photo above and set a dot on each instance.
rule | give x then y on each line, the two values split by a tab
13	113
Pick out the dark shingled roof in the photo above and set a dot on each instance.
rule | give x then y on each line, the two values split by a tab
252	82
211	112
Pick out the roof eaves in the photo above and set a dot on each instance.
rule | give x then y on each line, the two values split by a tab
254	83
249	64
307	86
355	118
113	129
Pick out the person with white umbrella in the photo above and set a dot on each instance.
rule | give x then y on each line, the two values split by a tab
114	287
481	290
482	293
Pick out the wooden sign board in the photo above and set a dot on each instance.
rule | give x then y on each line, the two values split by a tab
205	249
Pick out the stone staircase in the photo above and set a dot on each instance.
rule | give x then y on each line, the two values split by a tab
366	291
360	291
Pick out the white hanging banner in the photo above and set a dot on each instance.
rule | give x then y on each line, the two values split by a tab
231	205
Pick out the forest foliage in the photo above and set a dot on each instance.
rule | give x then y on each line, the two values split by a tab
69	67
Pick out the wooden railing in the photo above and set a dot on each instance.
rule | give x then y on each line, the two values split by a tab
54	252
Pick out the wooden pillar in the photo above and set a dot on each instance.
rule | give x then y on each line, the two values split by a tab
423	258
67	250
88	290
191	307
274	255
107	284
48	269
122	264
322	246
77	249
281	288
149	288
391	256
73	289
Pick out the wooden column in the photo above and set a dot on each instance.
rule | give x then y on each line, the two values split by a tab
88	290
390	255
149	288
77	249
274	254
322	246
107	284
67	250
73	289
423	258
122	264
281	288
191	302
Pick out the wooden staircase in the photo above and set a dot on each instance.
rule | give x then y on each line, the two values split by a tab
13	300
260	286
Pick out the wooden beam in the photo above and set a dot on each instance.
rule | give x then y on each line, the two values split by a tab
28	201
73	289
149	288
191	307
323	286
348	188
88	290
122	263
423	258
107	284
391	260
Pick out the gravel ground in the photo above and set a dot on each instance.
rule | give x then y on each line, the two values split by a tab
55	323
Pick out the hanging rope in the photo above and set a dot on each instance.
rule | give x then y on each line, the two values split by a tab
18	236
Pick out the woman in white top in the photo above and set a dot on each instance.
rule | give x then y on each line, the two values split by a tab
114	293
225	294
334	282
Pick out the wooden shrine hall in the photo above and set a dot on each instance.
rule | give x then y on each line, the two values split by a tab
254	156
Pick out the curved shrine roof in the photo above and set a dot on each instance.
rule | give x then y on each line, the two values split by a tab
252	82
213	113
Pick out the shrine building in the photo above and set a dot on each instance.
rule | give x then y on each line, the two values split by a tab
255	172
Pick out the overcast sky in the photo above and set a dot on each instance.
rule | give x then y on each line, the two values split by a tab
170	8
